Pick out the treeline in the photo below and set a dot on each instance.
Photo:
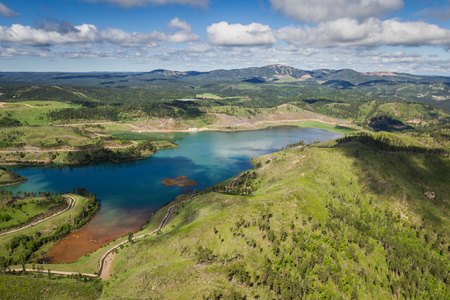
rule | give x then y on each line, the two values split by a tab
11	195
174	109
89	210
89	96
289	146
124	96
384	143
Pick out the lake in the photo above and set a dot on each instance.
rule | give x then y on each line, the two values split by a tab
130	191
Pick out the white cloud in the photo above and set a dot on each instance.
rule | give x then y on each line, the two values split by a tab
199	48
134	3
180	32
7	12
324	10
369	33
254	34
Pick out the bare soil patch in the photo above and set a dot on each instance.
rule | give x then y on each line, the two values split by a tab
93	236
107	266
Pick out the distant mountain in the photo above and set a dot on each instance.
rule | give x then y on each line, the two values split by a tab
272	73
273	80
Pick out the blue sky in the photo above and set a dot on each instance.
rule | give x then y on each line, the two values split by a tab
142	35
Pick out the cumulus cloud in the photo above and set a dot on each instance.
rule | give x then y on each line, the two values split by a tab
7	12
254	34
53	32
370	33
325	10
134	3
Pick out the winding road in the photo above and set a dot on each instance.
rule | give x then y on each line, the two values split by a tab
72	203
103	258
233	183
163	222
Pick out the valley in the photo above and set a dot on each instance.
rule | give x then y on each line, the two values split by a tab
258	183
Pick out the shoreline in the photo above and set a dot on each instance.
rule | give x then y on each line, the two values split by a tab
273	125
14	183
267	125
51	163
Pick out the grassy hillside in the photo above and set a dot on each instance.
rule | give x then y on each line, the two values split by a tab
335	220
32	113
44	286
386	116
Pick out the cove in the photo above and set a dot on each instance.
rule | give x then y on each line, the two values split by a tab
130	191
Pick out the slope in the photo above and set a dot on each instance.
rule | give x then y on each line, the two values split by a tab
334	220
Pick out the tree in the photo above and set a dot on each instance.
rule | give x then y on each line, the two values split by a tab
130	237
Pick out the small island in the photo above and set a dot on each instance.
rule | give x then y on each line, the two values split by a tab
180	181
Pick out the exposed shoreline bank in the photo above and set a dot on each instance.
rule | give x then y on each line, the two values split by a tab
13	183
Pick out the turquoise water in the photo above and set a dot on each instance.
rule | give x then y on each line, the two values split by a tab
130	191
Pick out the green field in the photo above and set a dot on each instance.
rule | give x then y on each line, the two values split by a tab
25	211
32	113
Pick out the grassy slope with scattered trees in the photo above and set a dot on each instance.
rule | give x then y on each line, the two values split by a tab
45	286
341	219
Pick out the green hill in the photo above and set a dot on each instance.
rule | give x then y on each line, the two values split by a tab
370	113
346	219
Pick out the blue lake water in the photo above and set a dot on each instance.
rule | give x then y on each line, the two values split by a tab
130	191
